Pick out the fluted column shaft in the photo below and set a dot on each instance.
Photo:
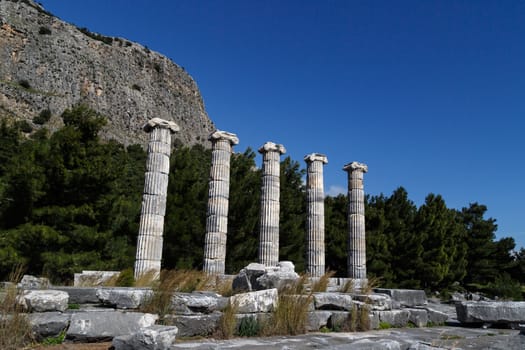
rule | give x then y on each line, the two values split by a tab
269	218
149	242
218	198
315	248
356	221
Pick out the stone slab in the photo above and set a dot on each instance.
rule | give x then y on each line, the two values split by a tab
103	326
155	337
258	301
405	297
43	300
124	297
80	295
491	312
194	325
48	324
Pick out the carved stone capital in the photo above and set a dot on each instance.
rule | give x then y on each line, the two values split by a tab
224	135
310	158
160	123
272	147
356	166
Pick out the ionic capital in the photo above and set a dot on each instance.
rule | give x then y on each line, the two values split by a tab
272	147
224	135
160	123
310	158
355	166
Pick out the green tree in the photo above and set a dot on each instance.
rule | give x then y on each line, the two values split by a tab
443	257
185	221
292	214
243	214
336	233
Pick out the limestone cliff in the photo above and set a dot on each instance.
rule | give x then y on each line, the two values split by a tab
49	64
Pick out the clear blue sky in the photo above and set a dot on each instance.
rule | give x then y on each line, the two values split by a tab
429	94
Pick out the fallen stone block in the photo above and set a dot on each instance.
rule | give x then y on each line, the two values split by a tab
259	277
337	321
405	297
93	278
393	318
104	326
197	302
32	282
418	317
332	301
48	324
124	297
155	337
80	295
491	312
38	300
246	280
317	319
194	325
436	317
277	277
379	302
258	301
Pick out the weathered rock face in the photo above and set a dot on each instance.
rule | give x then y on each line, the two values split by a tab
44	300
47	63
102	326
491	312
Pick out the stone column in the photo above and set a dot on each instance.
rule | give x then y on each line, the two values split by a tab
356	221
315	211
269	219
218	196
149	242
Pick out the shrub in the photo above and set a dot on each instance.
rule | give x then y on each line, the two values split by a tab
43	117
44	31
136	87
24	83
249	327
125	278
24	126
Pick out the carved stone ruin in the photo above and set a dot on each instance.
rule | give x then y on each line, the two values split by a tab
218	197
315	248
269	218
149	242
356	221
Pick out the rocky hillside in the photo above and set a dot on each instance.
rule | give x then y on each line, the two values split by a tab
49	64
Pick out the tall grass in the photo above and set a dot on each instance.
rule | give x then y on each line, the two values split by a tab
172	281
228	322
15	329
321	284
291	314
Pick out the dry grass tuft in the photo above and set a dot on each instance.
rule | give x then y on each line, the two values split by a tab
321	284
290	316
358	319
223	286
228	322
172	281
349	287
371	283
15	329
148	279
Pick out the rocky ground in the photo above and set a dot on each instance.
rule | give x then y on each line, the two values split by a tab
406	338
